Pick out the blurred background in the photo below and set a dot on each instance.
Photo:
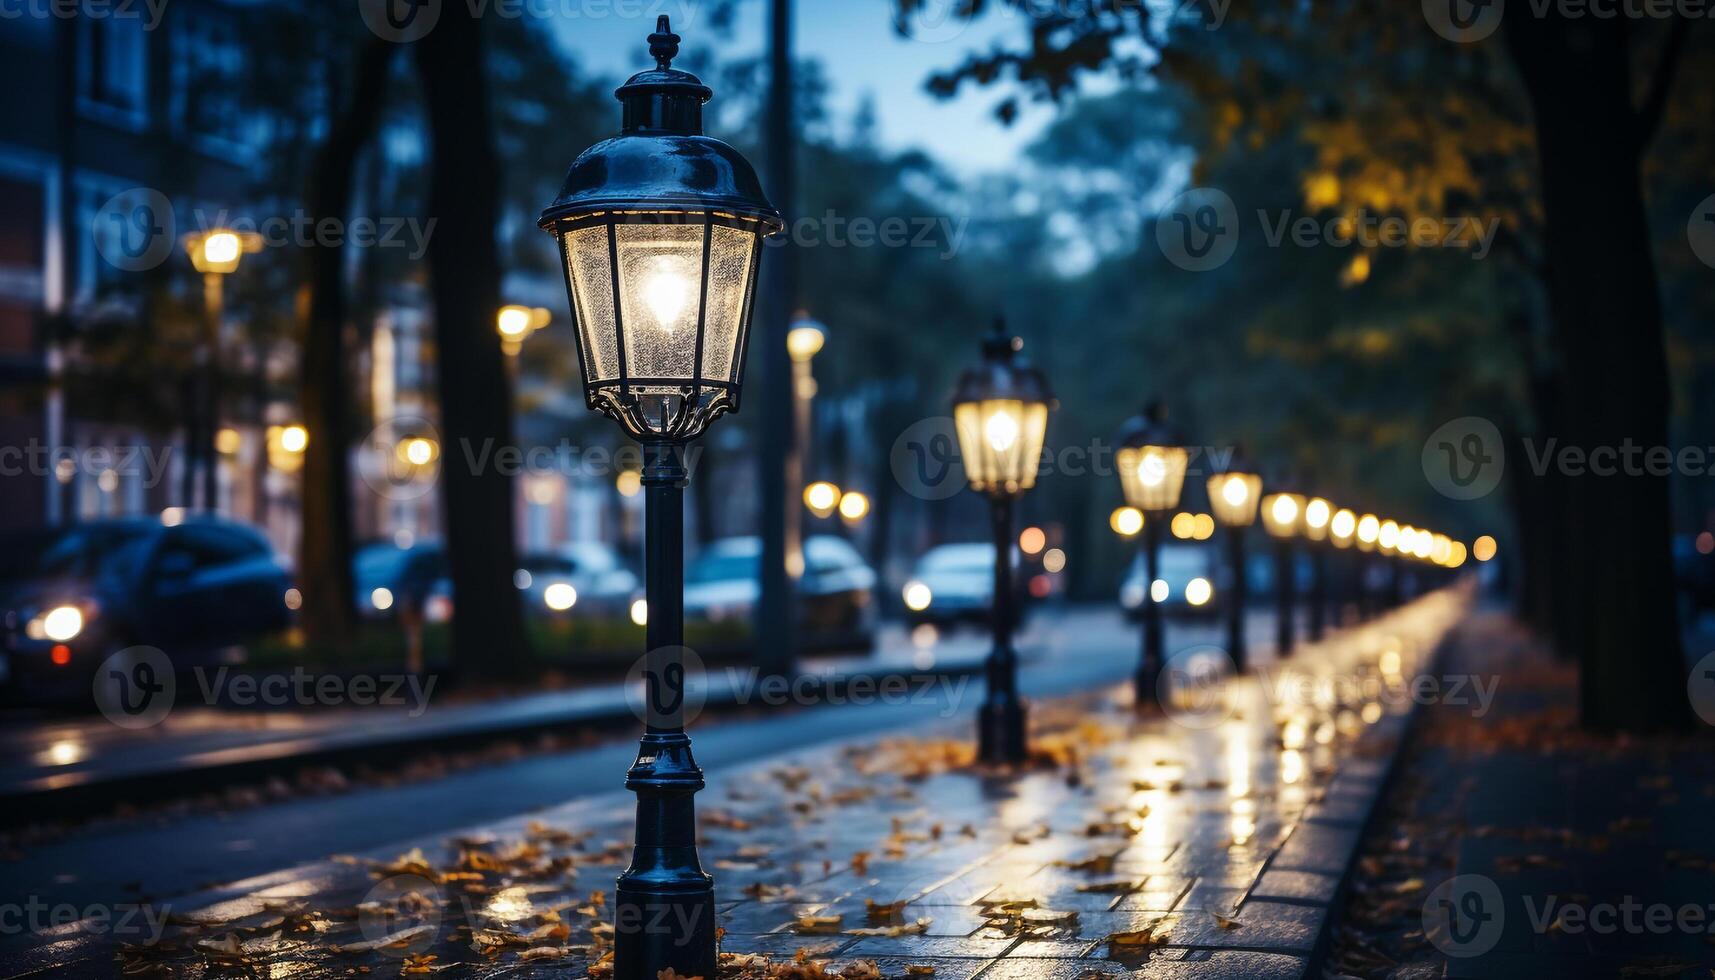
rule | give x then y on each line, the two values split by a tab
310	418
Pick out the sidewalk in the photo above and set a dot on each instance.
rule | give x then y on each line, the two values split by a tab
1207	843
81	761
1516	845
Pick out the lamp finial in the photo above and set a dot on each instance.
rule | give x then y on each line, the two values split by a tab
663	44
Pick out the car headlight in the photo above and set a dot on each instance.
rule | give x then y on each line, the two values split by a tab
560	596
1198	591
60	624
918	596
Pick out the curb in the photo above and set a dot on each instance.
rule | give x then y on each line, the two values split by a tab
1400	728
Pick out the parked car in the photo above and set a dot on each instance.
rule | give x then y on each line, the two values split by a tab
387	579
835	594
605	584
73	596
1189	583
955	582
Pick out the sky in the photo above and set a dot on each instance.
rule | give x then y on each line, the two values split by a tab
861	54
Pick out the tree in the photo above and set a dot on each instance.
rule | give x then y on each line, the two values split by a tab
475	394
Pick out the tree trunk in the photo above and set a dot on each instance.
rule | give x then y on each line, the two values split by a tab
475	393
324	547
1607	323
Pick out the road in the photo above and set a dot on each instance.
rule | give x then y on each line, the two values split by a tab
1062	651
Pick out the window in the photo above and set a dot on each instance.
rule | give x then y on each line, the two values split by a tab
113	76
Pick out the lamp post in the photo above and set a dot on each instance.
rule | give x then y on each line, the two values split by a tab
1318	514
1367	532
1281	515
1233	496
660	231
1342	531
1000	410
214	254
1151	460
803	340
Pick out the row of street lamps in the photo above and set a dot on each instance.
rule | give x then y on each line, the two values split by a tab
660	232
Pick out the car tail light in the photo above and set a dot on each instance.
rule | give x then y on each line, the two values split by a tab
60	654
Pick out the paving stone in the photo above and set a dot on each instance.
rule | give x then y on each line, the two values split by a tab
1206	964
1295	886
1319	848
1031	949
1051	969
1268	926
942	946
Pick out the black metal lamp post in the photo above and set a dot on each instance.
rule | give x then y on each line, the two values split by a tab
1000	410
1282	514
1342	534
1151	460
1233	496
1318	514
1367	534
660	229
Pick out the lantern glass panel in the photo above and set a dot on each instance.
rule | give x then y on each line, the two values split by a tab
1234	497
1282	513
592	290
1001	442
1152	476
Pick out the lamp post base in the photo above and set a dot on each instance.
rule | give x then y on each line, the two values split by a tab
657	929
1146	685
1000	731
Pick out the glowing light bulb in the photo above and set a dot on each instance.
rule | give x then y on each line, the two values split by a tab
1234	490
1001	429
220	247
1285	510
1152	469
665	292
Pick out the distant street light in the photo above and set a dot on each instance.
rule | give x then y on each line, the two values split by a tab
803	340
821	498
661	231
1233	496
515	324
1000	410
215	254
1282	517
1151	459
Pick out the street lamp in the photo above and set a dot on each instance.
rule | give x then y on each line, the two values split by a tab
803	340
1318	515
214	254
1151	460
516	323
1000	410
1233	496
660	231
1282	514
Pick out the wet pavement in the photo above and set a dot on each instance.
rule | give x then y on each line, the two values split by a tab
1204	840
